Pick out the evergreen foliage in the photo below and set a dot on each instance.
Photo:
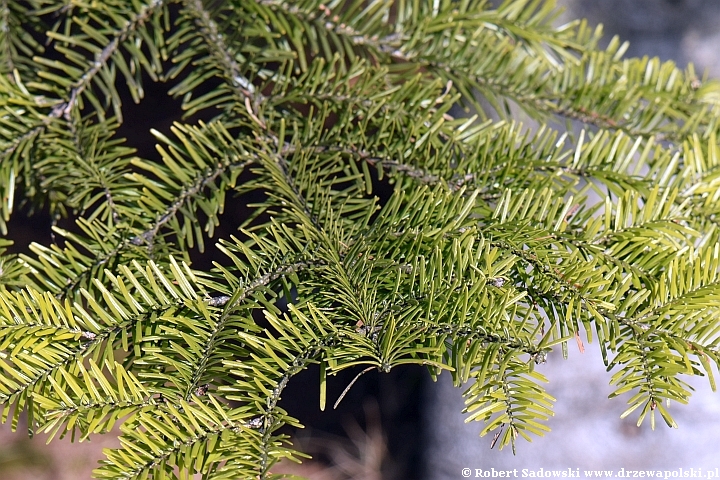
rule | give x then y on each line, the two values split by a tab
496	244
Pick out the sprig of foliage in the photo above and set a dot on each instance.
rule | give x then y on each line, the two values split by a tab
495	242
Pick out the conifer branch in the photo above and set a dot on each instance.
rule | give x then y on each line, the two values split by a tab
552	272
31	381
160	457
252	286
188	192
509	410
455	331
130	406
72	409
149	234
391	45
5	16
388	44
94	340
65	109
486	235
298	364
251	97
22	139
684	299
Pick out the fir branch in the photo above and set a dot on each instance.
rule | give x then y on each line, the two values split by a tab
18	24
389	44
474	333
553	272
22	139
250	97
5	16
509	408
654	387
712	288
159	457
298	364
65	109
41	375
94	341
187	192
215	42
539	99
129	407
148	236
80	148
211	343
477	249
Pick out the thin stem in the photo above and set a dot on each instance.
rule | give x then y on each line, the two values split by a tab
347	389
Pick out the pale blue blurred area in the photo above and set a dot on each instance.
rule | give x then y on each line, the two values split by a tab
680	30
587	432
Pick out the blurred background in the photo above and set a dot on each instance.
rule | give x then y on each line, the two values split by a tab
402	425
